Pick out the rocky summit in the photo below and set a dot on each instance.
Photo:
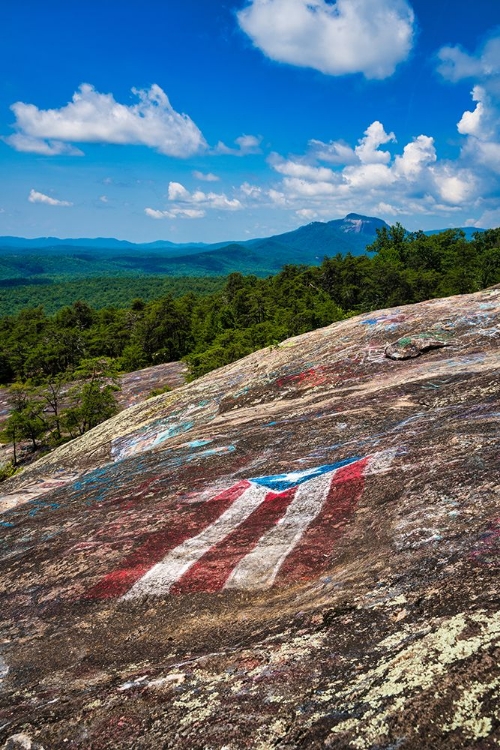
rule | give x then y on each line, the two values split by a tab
299	550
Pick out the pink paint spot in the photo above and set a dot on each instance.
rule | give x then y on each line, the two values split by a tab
487	549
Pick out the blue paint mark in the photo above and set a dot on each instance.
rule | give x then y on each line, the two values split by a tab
39	505
281	482
7	524
198	443
172	431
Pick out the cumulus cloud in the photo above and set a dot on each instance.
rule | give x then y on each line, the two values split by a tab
416	156
177	192
455	186
456	64
367	149
28	144
251	191
245	145
192	205
349	36
205	176
307	213
92	117
36	197
413	180
175	213
334	152
301	170
482	130
481	125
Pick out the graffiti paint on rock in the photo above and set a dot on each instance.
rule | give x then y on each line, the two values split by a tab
258	532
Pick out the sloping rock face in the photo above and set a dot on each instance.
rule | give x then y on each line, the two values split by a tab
137	386
299	550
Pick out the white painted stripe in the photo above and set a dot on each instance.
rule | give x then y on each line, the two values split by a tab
259	568
164	574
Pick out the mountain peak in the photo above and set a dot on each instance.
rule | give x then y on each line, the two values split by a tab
359	224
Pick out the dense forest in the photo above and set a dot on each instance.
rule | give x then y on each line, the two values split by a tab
247	312
64	366
107	291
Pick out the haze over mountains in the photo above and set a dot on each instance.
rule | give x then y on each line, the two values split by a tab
353	225
42	257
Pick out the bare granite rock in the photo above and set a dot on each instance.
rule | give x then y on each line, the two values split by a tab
299	550
21	741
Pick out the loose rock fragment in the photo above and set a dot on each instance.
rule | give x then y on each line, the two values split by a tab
409	347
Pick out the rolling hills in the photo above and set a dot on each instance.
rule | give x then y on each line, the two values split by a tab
45	259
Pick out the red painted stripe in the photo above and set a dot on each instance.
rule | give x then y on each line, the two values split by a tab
189	523
212	570
315	551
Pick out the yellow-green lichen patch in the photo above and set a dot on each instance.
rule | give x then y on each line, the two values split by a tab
469	716
387	690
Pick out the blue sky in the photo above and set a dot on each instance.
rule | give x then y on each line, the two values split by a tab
197	120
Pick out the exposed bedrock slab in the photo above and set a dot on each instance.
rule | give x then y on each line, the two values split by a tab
299	550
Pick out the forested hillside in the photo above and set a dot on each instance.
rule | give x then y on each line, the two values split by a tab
248	312
53	273
99	292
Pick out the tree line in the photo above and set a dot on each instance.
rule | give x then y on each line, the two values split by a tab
40	351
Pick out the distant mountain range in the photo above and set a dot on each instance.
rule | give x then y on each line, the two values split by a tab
360	231
45	258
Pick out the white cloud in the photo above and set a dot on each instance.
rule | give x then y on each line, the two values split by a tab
104	199
177	192
374	181
456	64
299	187
36	197
348	36
251	191
470	122
455	186
205	176
307	213
481	125
367	150
92	117
277	197
28	144
334	152
175	213
301	170
488	220
416	156
245	145
193	205
369	176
